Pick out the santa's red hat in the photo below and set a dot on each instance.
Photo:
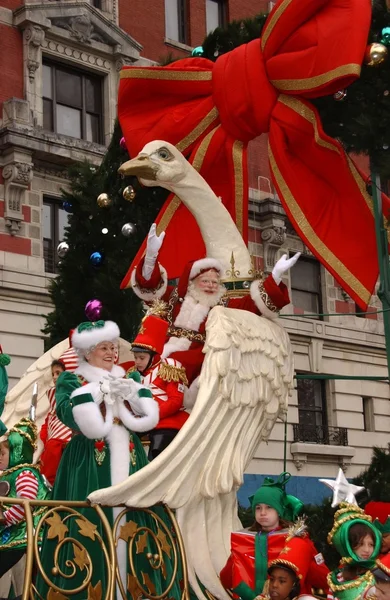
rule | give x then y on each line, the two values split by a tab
194	269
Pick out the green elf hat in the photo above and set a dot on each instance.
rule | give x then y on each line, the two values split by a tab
347	516
382	527
22	439
273	493
360	588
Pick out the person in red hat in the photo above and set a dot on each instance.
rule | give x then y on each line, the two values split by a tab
381	573
165	378
200	289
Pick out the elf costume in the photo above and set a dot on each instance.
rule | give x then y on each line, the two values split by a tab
166	379
103	409
252	551
25	481
187	317
351	589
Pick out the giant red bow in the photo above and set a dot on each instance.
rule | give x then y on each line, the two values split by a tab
211	111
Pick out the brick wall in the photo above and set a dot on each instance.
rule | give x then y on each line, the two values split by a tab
11	81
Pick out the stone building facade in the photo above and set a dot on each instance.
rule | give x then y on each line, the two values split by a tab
58	105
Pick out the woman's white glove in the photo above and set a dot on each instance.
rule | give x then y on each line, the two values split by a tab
127	389
153	246
283	265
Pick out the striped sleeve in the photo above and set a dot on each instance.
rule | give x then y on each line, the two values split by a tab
26	487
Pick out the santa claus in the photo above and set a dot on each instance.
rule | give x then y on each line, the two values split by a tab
200	288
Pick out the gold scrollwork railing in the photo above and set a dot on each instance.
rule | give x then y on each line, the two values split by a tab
147	541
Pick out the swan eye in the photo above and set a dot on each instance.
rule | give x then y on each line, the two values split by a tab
165	154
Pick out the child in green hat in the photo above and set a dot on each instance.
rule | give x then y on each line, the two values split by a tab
253	549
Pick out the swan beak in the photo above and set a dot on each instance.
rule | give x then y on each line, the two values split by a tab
141	166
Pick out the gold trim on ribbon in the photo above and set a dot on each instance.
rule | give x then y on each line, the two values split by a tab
272	22
168	214
307	230
310	83
198	130
238	149
307	113
168	74
361	184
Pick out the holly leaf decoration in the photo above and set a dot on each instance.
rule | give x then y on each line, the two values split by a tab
86	528
57	527
128	531
80	557
54	595
95	593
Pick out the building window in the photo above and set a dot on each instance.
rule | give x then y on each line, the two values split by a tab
54	221
176	20
368	414
72	102
97	4
306	286
215	14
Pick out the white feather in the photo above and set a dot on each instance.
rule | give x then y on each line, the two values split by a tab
243	388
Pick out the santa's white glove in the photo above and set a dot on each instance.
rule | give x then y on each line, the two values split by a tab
153	246
283	265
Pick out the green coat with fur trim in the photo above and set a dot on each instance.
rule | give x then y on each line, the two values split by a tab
99	455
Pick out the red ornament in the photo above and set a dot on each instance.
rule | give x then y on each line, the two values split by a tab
100	445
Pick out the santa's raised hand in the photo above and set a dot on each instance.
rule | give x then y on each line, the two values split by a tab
153	246
283	265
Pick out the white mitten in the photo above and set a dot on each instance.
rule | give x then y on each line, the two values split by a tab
153	246
283	265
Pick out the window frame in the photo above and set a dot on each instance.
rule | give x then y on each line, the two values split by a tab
182	27
222	16
83	74
55	205
318	294
323	410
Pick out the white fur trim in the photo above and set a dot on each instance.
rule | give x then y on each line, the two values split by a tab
190	394
152	294
92	388
91	337
90	420
255	295
205	264
191	316
148	421
91	373
175	344
118	439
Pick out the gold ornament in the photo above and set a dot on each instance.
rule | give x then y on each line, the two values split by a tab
129	193
104	200
375	54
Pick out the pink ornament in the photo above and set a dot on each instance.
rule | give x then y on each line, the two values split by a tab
93	310
122	143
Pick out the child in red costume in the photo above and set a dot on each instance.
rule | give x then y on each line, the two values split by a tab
54	434
253	549
166	378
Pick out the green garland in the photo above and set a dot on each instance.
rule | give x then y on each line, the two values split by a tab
362	120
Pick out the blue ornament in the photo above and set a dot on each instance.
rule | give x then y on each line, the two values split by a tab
198	51
96	259
5	535
67	206
385	36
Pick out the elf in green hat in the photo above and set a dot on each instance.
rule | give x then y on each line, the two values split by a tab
4	362
359	542
17	447
253	549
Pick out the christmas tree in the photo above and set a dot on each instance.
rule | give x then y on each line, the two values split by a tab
96	252
376	478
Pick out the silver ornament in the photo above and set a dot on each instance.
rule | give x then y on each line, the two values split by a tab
128	229
62	249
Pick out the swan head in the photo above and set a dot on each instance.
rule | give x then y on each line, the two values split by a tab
158	163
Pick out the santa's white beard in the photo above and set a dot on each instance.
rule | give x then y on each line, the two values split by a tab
204	299
193	311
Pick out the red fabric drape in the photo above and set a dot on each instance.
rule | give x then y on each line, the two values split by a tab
211	111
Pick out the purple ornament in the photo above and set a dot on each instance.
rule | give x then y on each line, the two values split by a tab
122	144
93	310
